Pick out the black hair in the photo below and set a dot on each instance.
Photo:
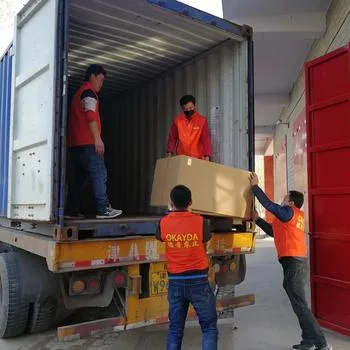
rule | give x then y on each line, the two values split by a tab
181	197
297	198
95	69
186	99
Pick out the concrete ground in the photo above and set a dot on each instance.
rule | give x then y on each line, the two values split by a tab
269	325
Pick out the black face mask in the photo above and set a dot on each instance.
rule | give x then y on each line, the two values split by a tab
189	113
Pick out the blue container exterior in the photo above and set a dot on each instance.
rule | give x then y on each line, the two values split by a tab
5	107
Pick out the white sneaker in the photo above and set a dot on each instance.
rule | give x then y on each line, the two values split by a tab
109	213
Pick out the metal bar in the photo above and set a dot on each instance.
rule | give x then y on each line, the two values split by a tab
38	228
200	16
235	302
32	243
62	145
121	220
86	329
251	115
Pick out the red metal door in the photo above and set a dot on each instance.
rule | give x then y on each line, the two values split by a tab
328	141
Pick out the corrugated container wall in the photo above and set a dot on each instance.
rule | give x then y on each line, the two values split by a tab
5	104
138	121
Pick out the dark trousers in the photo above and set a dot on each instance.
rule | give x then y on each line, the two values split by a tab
181	294
294	282
88	166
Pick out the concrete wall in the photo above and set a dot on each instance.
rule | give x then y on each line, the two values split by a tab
337	35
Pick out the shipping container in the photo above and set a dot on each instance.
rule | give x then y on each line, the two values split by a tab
153	55
154	52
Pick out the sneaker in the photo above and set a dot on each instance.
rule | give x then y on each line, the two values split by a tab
302	347
75	216
327	347
109	213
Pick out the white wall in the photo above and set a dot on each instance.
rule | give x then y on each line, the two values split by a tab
337	35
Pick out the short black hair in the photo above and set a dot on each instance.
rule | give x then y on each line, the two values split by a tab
186	99
181	197
95	69
297	198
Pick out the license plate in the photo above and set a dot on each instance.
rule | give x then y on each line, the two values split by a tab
159	283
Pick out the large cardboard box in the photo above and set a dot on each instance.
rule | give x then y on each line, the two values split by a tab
217	190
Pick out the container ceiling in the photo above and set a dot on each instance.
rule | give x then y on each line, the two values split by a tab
136	40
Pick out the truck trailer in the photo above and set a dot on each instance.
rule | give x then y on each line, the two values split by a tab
154	52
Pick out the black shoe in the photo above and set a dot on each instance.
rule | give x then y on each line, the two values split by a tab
109	213
303	347
327	347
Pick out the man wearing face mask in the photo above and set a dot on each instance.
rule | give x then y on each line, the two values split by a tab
189	134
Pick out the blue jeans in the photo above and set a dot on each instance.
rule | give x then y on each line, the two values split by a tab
181	294
87	165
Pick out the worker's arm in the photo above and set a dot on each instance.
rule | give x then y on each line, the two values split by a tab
159	233
283	213
173	139
206	231
206	141
89	104
265	226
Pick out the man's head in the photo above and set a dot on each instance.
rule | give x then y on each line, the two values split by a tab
188	105
294	198
180	198
95	75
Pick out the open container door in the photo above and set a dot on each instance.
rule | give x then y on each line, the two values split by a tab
33	112
328	140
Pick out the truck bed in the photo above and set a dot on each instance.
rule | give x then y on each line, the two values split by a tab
125	249
138	225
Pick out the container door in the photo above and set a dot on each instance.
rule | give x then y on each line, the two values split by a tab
33	112
5	107
328	140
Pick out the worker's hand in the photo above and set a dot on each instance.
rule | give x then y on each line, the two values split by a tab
169	154
99	147
254	180
207	158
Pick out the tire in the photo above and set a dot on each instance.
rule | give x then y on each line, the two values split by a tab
5	248
13	308
43	316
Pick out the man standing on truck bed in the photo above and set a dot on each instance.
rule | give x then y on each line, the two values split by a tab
185	235
86	146
290	242
189	134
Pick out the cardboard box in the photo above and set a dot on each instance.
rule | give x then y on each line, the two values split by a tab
217	190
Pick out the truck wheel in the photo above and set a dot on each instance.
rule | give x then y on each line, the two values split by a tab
42	317
13	308
5	248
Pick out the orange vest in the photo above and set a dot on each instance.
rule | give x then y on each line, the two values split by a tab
290	236
182	233
79	133
190	131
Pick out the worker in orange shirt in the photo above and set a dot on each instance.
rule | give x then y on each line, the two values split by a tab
189	133
185	235
289	236
87	148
